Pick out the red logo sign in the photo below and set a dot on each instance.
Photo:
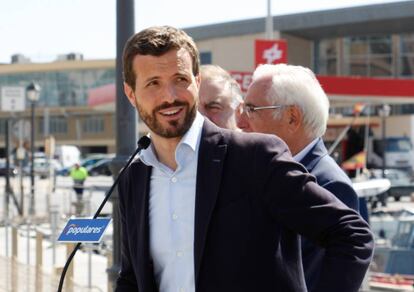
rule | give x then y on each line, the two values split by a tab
243	78
270	52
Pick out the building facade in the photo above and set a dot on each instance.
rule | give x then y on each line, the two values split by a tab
377	41
63	109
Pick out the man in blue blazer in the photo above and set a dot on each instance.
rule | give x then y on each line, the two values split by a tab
205	209
288	101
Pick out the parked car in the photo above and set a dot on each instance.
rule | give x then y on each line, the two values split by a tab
100	168
87	162
41	167
3	170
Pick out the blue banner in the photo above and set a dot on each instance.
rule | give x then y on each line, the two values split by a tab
84	230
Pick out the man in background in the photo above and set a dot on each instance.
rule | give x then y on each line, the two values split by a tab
288	101
219	95
78	174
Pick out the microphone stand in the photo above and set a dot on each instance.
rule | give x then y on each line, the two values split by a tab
143	143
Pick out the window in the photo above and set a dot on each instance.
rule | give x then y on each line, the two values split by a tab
368	56
2	126
57	125
205	58
93	125
406	55
398	145
328	57
62	87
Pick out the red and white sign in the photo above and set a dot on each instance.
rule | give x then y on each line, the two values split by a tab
243	78
367	88
270	52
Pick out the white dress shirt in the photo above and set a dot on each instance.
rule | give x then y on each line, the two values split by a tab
298	157
171	213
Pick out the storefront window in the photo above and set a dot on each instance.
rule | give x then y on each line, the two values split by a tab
368	56
328	57
93	125
357	46
57	125
406	67
357	65
62	88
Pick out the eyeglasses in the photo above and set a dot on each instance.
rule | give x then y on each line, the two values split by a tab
249	109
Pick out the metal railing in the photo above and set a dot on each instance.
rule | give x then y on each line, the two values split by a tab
27	267
32	260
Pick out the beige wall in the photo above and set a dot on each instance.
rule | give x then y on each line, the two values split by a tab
237	53
232	53
399	126
75	134
299	50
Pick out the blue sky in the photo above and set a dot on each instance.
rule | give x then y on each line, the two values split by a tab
43	29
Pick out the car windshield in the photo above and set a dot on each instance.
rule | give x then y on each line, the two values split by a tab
398	145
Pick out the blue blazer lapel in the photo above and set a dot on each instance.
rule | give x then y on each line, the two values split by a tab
314	155
211	156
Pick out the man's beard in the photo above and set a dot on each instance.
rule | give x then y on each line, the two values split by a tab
175	130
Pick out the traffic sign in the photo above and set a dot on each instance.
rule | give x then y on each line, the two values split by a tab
21	129
12	99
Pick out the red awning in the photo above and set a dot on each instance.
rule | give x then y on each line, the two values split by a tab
101	95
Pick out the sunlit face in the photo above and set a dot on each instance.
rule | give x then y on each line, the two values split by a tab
263	121
165	93
241	119
216	102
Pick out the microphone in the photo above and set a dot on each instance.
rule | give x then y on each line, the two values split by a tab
142	143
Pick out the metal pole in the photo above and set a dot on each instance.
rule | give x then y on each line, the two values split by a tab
384	145
54	225
6	237
269	21
32	150
89	266
7	185
20	153
366	135
28	242
22	206
6	194
126	124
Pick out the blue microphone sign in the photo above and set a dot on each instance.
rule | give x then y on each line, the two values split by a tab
84	230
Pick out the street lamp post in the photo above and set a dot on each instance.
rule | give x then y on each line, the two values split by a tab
33	93
384	112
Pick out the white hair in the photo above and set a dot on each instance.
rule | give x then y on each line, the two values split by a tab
217	74
297	85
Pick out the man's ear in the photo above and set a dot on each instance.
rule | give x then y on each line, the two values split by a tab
129	92
295	118
198	80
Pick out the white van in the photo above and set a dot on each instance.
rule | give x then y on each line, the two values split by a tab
399	153
67	155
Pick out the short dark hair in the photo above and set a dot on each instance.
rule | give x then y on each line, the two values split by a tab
156	41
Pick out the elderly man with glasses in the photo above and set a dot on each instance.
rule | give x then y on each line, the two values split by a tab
288	101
